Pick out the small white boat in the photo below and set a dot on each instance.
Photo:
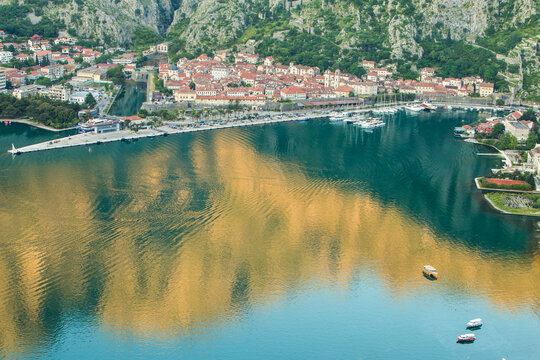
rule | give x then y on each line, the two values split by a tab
430	272
428	106
414	108
466	338
475	323
370	123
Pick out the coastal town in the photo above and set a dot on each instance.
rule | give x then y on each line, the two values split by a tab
63	70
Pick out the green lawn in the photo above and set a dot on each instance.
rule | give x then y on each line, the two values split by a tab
507	202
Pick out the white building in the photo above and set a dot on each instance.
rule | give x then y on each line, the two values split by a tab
520	131
5	57
535	158
293	93
185	94
219	72
364	88
2	79
78	97
485	89
27	90
125	59
56	92
162	48
41	56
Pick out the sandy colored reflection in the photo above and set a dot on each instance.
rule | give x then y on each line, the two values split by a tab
263	228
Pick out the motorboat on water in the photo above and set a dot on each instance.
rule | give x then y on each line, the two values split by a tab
466	338
336	118
428	106
474	323
414	108
459	131
430	272
389	110
370	123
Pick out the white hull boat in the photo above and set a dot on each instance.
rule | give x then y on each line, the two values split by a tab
475	323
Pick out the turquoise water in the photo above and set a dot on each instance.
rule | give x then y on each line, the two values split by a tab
287	241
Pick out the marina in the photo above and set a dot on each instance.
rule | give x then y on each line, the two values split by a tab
356	116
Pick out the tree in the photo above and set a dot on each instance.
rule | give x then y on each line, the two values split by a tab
89	101
531	140
529	115
500	102
497	131
116	74
44	81
192	85
507	141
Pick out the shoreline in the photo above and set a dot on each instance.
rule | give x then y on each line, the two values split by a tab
36	125
506	160
486	191
504	212
169	128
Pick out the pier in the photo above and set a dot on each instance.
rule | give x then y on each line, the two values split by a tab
169	128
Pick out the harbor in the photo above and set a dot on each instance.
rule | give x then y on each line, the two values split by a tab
353	115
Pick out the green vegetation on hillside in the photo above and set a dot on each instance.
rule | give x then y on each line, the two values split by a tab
144	37
459	59
13	20
503	40
57	114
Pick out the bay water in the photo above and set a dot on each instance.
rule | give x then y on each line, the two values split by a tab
286	241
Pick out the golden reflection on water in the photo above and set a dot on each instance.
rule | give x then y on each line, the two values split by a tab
264	228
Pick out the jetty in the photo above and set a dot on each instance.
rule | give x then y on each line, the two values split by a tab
168	128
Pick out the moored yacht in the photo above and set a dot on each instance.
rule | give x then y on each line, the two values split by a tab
428	107
466	338
414	108
475	323
370	123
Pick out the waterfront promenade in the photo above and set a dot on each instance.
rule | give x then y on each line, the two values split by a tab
169	128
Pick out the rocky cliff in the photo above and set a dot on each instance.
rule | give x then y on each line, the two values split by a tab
403	22
390	28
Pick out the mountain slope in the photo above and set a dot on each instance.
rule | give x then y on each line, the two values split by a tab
324	32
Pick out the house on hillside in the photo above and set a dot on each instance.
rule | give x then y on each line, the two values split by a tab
343	91
485	89
293	93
